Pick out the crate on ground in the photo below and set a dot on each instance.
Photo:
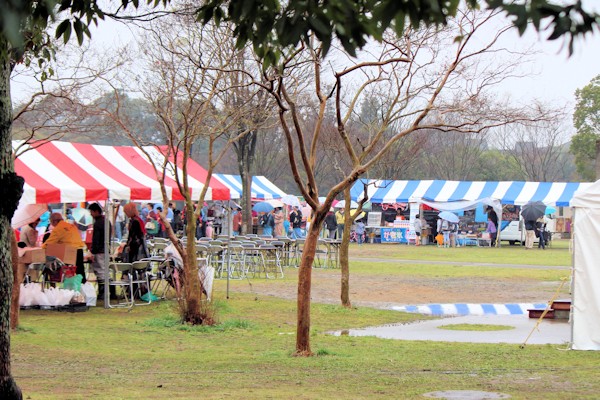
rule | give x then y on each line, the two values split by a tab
29	255
66	254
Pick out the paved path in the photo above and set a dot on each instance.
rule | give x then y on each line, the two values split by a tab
476	264
463	308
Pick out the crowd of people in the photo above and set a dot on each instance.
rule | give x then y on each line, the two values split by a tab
133	224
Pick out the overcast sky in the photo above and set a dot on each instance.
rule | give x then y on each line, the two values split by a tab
554	75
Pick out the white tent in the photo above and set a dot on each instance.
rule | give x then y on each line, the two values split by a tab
585	316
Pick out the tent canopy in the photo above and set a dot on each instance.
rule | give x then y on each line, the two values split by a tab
63	172
262	188
439	191
585	317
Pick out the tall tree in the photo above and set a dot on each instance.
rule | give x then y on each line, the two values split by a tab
424	81
186	80
243	95
23	27
586	118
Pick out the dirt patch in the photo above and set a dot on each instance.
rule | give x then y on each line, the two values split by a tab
386	291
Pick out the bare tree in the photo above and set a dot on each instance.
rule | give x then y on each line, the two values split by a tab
56	106
183	74
426	75
243	94
539	148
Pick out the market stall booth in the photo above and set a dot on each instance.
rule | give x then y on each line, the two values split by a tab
63	172
464	195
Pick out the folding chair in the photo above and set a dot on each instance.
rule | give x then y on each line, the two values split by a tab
235	257
157	248
274	252
216	258
321	254
140	281
168	276
252	259
120	277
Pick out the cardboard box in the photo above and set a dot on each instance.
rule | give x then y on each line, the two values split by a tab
67	254
30	255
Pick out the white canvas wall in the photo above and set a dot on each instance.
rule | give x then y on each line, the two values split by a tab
585	317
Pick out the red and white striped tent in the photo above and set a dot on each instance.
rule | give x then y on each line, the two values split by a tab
63	172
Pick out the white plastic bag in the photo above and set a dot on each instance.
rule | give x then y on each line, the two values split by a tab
89	292
28	294
58	297
65	297
207	275
41	298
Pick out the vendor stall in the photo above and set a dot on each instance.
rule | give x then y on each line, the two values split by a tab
464	195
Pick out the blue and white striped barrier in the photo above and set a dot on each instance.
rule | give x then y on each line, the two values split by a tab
471	309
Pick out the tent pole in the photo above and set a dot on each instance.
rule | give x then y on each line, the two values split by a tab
107	213
499	227
572	288
229	233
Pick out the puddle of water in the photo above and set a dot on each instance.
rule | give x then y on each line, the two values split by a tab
548	332
466	395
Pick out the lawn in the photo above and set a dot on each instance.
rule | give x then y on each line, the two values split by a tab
557	254
146	354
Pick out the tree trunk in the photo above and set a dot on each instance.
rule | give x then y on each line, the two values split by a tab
191	287
18	275
245	148
246	199
11	192
304	288
344	263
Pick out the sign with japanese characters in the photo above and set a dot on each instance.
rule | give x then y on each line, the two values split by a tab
394	235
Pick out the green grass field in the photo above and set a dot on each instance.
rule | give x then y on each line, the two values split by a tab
147	354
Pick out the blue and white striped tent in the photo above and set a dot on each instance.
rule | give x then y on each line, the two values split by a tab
262	188
439	191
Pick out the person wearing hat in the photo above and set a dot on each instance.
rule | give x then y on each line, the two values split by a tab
67	234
